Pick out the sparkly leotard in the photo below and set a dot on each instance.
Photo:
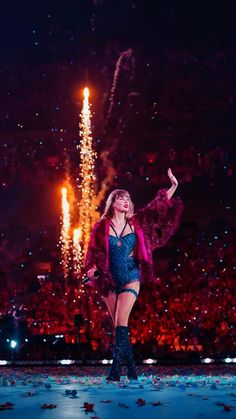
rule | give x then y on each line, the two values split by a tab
122	266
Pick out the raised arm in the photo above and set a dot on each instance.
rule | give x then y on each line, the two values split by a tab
160	218
162	200
174	184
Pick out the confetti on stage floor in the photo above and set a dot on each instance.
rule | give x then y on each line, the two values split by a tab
72	392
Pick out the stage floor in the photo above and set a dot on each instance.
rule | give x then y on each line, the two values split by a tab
166	392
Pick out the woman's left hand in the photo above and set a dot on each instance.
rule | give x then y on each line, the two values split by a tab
173	179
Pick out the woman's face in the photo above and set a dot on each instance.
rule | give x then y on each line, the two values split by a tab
122	203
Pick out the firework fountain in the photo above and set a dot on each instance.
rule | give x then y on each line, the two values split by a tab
74	241
87	176
65	238
74	238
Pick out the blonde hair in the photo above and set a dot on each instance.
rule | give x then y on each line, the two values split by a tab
117	193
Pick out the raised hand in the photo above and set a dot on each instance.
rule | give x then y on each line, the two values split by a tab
173	179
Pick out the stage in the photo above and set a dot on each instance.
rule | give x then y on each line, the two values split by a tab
192	391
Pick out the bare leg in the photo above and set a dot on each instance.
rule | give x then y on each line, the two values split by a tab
123	307
111	301
125	302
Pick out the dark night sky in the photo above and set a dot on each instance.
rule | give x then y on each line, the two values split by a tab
77	31
45	31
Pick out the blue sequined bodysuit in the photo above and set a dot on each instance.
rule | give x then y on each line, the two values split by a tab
122	266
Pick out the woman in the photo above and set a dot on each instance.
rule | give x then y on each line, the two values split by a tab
119	257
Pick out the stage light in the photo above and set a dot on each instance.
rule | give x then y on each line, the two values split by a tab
66	362
234	359
40	277
104	361
207	360
2	362
149	361
59	336
13	344
228	360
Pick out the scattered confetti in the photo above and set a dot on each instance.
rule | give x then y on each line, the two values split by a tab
140	402
48	406
123	405
106	401
88	407
156	403
6	406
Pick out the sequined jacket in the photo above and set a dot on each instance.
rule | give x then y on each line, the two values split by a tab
154	225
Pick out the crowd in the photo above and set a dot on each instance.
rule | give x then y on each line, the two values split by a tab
137	168
190	306
165	114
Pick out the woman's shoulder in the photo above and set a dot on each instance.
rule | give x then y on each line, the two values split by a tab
133	220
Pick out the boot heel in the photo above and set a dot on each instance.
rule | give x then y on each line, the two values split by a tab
131	373
118	354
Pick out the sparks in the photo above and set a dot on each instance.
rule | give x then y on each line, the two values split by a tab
65	232
77	251
87	173
86	93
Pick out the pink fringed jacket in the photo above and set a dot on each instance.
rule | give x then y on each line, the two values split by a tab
154	225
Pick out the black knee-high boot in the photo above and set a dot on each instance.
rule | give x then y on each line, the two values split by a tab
118	353
129	357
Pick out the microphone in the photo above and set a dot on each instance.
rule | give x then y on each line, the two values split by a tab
87	279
